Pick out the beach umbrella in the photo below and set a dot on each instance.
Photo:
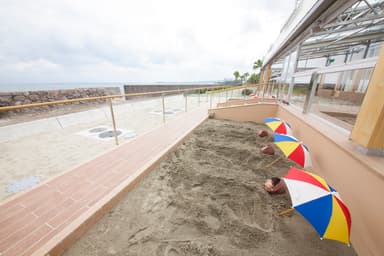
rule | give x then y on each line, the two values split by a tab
319	204
293	149
278	126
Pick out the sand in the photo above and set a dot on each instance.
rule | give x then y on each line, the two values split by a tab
207	198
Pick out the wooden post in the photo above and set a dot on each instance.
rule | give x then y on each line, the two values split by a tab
113	122
261	76
369	127
267	77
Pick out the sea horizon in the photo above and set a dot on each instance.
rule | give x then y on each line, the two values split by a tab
24	87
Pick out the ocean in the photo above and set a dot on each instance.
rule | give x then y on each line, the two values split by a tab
21	87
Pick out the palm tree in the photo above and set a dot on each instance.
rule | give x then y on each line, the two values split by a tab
246	75
257	64
242	78
236	74
254	78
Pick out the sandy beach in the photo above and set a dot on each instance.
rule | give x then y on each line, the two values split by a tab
207	198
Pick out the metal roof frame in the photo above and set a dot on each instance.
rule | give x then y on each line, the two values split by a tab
333	28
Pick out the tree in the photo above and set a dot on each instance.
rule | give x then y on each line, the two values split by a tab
257	64
245	76
254	78
242	78
236	74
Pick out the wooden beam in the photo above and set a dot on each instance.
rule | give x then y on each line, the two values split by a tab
369	127
266	79
261	81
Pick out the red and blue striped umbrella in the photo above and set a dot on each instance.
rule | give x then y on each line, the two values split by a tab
278	126
293	149
319	204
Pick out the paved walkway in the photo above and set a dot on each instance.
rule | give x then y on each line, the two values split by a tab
48	218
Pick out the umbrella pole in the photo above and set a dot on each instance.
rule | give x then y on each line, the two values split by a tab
286	211
274	161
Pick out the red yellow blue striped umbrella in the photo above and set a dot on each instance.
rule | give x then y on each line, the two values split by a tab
278	126
293	149
319	204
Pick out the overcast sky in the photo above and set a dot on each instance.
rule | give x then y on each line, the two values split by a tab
134	41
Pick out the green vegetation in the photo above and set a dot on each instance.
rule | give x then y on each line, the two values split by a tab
246	92
254	78
250	78
300	90
257	64
236	74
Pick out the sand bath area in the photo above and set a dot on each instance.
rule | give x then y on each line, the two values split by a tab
207	198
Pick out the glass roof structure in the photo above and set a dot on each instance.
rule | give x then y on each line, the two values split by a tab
325	28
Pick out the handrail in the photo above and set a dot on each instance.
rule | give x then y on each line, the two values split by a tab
357	64
41	104
226	89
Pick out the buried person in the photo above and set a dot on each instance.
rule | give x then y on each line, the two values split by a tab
262	133
268	150
275	185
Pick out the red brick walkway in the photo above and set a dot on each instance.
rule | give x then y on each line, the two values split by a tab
48	218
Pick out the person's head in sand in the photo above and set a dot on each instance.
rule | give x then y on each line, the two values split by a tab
268	150
262	133
275	185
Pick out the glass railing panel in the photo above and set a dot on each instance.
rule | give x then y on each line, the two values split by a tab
339	96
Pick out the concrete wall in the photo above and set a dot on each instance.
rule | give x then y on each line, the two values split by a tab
156	88
29	97
237	102
255	112
358	178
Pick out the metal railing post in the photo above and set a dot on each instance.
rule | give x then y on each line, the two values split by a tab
311	92
186	102
162	99
199	97
113	122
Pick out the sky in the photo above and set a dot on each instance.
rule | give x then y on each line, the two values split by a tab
43	41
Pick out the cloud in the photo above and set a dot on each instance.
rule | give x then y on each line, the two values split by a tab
147	40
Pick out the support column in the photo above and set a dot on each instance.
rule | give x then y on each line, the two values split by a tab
311	92
266	79
338	82
286	74
356	77
296	63
261	76
369	127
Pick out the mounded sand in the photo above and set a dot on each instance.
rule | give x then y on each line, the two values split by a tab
207	199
